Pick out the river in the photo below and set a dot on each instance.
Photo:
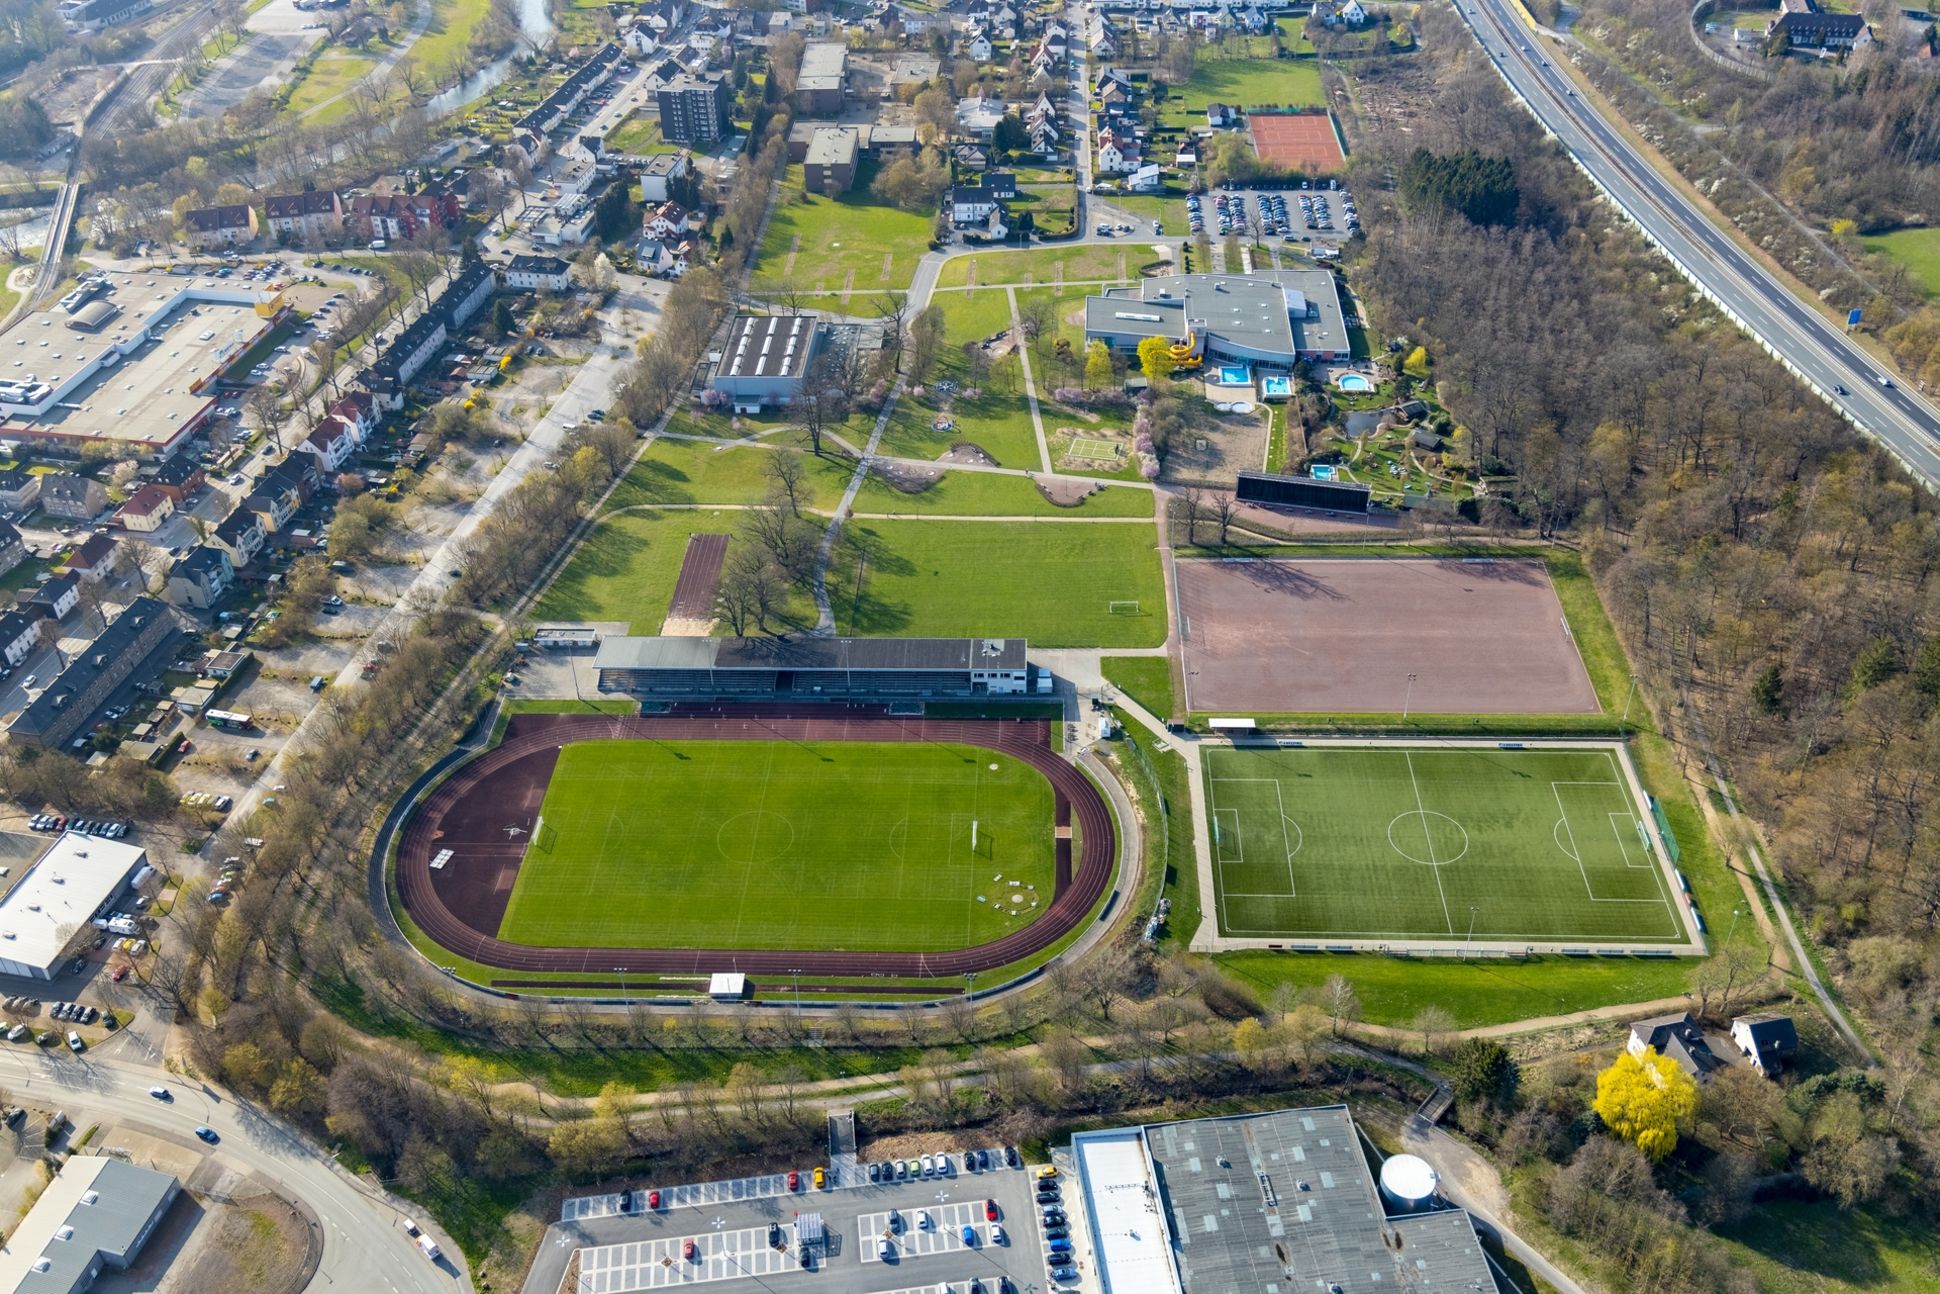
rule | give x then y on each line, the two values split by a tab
535	24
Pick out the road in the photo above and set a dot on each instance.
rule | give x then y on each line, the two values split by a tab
364	1248
1788	326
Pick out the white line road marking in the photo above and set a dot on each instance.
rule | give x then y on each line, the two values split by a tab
1428	836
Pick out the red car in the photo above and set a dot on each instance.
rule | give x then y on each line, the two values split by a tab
990	1210
794	1181
653	1200
692	1251
121	973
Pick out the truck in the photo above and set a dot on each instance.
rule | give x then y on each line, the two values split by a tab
428	1247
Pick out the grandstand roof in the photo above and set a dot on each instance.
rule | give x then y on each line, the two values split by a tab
811	653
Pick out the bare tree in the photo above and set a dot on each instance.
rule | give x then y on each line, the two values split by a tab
1192	508
893	309
787	479
1224	508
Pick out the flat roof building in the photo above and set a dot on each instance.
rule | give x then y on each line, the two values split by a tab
766	359
96	1214
812	669
829	166
45	910
1257	1203
1274	317
824	74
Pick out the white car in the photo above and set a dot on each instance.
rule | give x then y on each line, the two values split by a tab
160	1093
923	1220
929	1165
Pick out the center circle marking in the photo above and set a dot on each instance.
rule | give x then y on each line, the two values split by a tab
1443	838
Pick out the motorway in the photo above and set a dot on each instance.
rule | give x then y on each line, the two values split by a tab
364	1248
1803	340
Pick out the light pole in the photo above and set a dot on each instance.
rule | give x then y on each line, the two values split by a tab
1408	700
1736	912
1472	910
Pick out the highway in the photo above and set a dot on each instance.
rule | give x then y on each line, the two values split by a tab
1801	338
364	1248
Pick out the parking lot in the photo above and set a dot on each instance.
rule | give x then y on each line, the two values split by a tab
1296	215
735	1249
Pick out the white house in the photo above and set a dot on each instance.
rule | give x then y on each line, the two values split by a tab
979	47
971	205
332	442
1144	180
1117	154
537	274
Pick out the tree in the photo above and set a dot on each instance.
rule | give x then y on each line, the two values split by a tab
936	115
1433	1023
787	479
1416	365
925	337
1645	1100
1155	358
1224	508
1339	1000
503	322
1193	510
1480	189
1097	366
1250	1042
1483	1070
1768	691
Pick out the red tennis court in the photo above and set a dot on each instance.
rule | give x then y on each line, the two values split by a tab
1304	141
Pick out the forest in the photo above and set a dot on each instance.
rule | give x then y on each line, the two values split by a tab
1771	573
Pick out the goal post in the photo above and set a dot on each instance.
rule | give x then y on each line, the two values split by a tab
1124	607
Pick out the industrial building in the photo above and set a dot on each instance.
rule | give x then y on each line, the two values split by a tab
1270	317
1263	1202
96	1214
813	669
45	910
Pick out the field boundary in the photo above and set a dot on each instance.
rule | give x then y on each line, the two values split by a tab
488	777
1215	940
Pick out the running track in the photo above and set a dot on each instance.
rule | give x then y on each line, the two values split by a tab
460	904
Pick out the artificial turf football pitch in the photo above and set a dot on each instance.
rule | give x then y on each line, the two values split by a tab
840	845
1410	842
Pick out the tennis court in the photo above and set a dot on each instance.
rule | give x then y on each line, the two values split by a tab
1301	141
1093	450
1437	843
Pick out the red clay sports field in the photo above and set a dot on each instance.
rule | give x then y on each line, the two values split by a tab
1301	141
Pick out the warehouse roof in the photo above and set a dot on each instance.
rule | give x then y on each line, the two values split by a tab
95	1207
1277	311
55	897
768	346
823	65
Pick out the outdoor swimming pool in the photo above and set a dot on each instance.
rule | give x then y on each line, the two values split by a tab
1276	388
1353	382
1234	375
1323	472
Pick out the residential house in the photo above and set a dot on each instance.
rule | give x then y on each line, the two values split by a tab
179	477
1678	1037
1144	180
96	559
971	157
1769	1042
211	227
147	509
392	214
1111	78
305	217
977	118
830	166
333	443
274	503
200	579
13	550
300	472
695	110
536	274
19	489
71	497
141	631
19	636
639	41
56	599
973	204
359	410
1118	151
653	257
668	220
658	173
978	47
822	83
1222	116
242	536
1812	29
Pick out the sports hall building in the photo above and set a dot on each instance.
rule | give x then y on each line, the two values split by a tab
814	669
1270	317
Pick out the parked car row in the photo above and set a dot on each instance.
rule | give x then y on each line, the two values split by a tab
108	829
1057	1228
207	800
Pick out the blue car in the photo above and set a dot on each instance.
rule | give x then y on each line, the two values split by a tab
969	1234
207	1134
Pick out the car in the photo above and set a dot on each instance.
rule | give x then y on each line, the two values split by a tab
976	1286
1058	1246
18	1033
821	1178
119	973
653	1201
875	1172
1047	1173
990	1210
969	1235
1886	382
884	1250
161	1094
997	1236
895	1221
1011	1157
1064	1273
794	1180
902	1170
915	1169
690	1251
1054	1217
946	1166
1057	1233
929	1166
923	1220
207	1133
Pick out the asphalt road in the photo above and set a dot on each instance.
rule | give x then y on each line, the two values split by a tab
364	1248
1816	350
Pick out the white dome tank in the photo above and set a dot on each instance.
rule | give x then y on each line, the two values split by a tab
1408	1184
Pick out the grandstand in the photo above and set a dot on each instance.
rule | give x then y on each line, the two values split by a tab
810	669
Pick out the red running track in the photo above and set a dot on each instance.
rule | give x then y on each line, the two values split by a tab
460	904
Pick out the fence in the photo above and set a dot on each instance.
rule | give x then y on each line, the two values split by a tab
1151	776
1664	830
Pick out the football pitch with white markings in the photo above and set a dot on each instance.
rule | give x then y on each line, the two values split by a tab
1442	843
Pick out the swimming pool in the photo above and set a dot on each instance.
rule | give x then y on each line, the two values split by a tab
1276	388
1353	382
1234	375
1322	472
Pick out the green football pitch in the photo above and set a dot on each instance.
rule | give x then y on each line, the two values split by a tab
1418	842
781	844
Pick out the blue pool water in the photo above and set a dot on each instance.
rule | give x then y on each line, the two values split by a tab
1353	382
1233	375
1276	386
1323	472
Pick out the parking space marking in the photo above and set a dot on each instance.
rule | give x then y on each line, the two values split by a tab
945	1235
659	1264
731	1191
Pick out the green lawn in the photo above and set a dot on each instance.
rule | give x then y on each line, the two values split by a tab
1145	679
1476	993
626	568
1247	82
1433	843
449	34
991	494
1053	583
997	421
847	242
639	135
1084	261
690	472
1917	249
756	844
1810	1247
330	76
